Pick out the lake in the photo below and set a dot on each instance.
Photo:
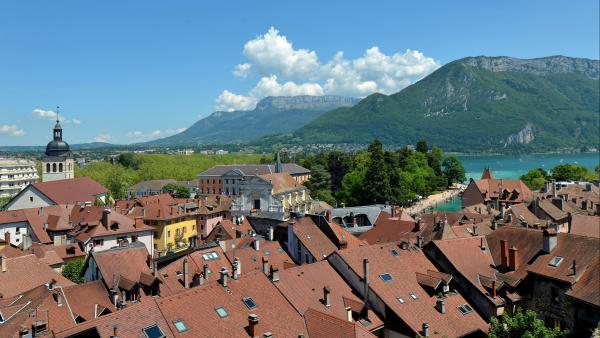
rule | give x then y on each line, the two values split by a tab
513	166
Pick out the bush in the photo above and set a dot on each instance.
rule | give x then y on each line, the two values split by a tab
522	324
73	270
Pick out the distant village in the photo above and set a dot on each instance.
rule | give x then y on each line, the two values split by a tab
250	254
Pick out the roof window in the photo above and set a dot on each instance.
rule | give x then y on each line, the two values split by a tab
386	277
180	325
210	256
465	309
221	312
394	252
401	300
413	296
153	331
554	262
250	303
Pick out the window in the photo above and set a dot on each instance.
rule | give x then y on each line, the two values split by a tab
465	309
250	303
386	277
180	325
209	256
401	300
153	331
30	198
98	242
184	229
168	233
394	252
554	262
47	167
53	167
176	232
60	167
221	312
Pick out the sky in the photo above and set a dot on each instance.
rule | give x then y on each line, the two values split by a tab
131	71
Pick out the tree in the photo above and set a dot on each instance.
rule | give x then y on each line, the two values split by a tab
522	324
320	179
377	183
434	160
4	201
128	161
453	170
535	178
422	146
178	190
73	270
570	172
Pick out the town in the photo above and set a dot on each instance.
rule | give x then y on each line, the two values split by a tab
249	252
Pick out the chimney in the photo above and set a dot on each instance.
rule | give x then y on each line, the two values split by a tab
393	211
326	296
139	222
494	288
482	246
494	224
7	237
58	298
513	256
418	225
274	273
474	230
271	235
425	329
574	267
223	273
26	241
205	271
503	252
267	335
549	240
328	215
265	265
155	268
343	244
185	273
115	331
366	279
2	263
237	268
256	244
105	217
441	306
420	241
253	325
349	314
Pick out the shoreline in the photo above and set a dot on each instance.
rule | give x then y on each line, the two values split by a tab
435	199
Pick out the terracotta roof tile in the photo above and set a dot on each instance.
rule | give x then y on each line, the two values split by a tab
282	182
25	273
80	189
315	241
585	225
251	259
323	325
122	262
586	288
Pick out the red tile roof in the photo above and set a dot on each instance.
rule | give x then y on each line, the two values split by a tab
251	259
171	275
275	314
323	325
585	225
56	216
80	189
586	288
403	269
389	229
315	241
529	242
493	189
88	223
128	264
282	182
303	287
25	273
63	252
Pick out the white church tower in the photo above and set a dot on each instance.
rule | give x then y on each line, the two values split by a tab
58	164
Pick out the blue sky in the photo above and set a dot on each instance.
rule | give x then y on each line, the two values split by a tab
128	71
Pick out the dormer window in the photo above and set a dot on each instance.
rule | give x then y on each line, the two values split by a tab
114	226
555	261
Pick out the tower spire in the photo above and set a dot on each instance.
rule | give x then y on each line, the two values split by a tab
57	109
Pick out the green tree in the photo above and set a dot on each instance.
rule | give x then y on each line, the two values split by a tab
570	172
522	324
128	160
338	164
535	178
73	270
377	183
178	190
453	170
422	146
4	201
320	179
434	160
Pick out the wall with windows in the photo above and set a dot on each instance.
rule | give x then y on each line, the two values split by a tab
16	231
106	242
170	230
53	170
29	198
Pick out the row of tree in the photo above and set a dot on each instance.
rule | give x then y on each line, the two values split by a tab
379	176
536	178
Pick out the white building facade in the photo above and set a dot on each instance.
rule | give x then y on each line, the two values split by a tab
15	175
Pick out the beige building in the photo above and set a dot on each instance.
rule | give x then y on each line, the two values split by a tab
58	164
15	175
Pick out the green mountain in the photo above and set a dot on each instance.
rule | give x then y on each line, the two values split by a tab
476	104
272	115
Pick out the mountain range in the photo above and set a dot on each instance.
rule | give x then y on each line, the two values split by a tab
272	115
478	104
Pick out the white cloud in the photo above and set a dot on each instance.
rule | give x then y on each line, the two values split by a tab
242	70
154	134
51	115
103	138
11	130
284	70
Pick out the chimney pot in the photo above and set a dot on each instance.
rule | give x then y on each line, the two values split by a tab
441	306
349	314
503	252
115	331
274	273
493	289
185	273
425	329
574	267
265	264
224	277
366	279
7	237
326	296
253	325
513	254
549	240
2	263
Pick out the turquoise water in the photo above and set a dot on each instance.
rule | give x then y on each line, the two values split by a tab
513	166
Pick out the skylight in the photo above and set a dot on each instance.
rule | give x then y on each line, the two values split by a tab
250	303
180	325
394	252
386	277
267	253
222	312
554	262
210	256
401	300
153	331
465	309
413	296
